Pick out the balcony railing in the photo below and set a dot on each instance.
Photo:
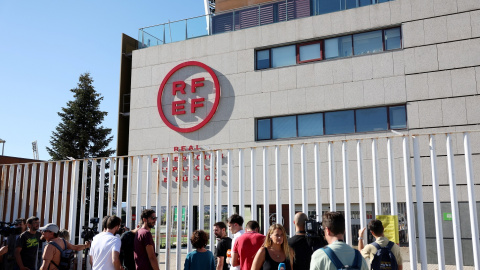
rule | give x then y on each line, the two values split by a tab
237	19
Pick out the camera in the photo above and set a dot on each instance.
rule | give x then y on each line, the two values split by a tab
89	232
9	228
314	233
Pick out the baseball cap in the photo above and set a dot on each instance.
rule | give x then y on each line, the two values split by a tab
49	227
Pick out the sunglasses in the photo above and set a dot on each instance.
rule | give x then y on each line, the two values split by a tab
47	231
154	218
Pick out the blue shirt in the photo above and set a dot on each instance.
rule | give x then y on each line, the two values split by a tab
199	261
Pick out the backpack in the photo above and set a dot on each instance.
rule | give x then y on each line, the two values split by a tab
66	256
339	265
384	258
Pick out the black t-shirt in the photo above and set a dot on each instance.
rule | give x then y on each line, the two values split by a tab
126	250
303	251
30	244
223	245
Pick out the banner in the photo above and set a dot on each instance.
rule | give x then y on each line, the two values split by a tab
390	225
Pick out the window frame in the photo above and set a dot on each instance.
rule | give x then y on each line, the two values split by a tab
269	59
320	42
384	42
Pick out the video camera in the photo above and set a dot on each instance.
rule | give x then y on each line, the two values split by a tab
315	234
89	232
9	228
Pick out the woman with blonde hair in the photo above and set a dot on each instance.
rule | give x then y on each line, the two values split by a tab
275	251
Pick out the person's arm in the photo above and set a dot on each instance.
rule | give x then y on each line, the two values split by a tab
259	259
45	265
3	250
220	262
235	260
91	260
116	260
151	257
292	257
78	247
360	241
18	259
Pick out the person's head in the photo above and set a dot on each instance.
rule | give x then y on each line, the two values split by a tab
21	223
235	223
149	218
113	224
277	236
199	239
334	226
220	229
49	231
33	223
299	221
104	223
65	234
376	227
252	226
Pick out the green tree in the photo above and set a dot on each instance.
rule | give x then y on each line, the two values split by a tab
80	134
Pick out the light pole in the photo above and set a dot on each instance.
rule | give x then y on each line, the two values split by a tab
3	145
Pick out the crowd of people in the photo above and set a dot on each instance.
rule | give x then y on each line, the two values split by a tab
248	249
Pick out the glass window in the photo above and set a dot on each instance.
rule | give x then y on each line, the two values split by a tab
348	4
392	39
309	52
263	59
339	122
398	117
338	47
369	42
284	56
284	127
372	119
327	6
263	129
310	124
365	2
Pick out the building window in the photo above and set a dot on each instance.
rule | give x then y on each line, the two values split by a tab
263	59
284	56
393	39
329	123
307	52
366	43
338	47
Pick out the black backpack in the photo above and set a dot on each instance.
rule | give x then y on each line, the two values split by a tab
357	261
384	258
66	256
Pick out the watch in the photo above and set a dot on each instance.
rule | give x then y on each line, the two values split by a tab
360	238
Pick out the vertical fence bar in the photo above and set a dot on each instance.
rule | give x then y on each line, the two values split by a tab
33	183
457	238
278	171
72	215
409	202
18	182
201	183
361	193
23	212
149	182
331	176
56	188
111	180
179	210
304	179
318	186
212	199
252	184
436	205
120	187
10	191
48	189
158	203
190	201
128	211
346	194
241	183
101	188
83	198
420	213
41	176
63	216
3	184
472	205
168	212
230	182
291	203
138	205
266	204
219	187
376	181
93	188
391	178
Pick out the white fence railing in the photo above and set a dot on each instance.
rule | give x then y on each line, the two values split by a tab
199	187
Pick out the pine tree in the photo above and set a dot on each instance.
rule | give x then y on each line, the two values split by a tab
80	134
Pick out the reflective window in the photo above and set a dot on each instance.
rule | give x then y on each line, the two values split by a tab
263	59
327	6
348	4
284	56
284	127
398	117
310	124
263	129
370	42
309	52
392	39
366	2
372	119
339	122
338	47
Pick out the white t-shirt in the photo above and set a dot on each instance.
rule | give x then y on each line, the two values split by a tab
103	245
235	236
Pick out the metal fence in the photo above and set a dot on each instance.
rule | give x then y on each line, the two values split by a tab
361	177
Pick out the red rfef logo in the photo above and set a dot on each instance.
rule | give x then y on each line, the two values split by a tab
188	96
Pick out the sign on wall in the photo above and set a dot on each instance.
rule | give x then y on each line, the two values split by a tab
188	96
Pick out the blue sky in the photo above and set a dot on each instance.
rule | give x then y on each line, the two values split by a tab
46	44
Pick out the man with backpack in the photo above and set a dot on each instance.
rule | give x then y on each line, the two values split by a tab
337	255
383	254
58	253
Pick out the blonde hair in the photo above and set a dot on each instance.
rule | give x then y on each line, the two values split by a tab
269	242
